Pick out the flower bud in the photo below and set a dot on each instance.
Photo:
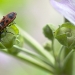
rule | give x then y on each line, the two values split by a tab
65	34
48	32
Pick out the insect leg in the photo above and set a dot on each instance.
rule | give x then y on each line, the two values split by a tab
1	34
9	32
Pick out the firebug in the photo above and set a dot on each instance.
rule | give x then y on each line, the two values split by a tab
6	20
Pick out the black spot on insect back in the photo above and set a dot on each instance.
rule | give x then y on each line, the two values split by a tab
7	21
11	15
2	23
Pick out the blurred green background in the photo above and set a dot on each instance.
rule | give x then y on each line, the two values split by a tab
32	15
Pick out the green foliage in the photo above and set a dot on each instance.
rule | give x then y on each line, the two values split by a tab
10	37
52	62
45	58
65	35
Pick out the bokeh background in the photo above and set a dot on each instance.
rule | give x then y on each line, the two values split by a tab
32	16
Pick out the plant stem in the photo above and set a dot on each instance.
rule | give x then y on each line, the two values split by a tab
68	68
66	20
32	61
31	54
67	57
37	47
53	49
60	52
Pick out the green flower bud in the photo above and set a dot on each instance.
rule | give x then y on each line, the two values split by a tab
65	34
48	32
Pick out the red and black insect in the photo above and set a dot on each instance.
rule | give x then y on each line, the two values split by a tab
6	20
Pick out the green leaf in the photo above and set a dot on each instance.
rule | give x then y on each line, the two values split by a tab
10	38
62	39
9	35
2	46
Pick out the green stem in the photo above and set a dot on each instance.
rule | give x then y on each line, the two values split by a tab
67	57
68	62
59	58
26	51
53	49
68	68
60	52
32	61
37	47
66	20
31	54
